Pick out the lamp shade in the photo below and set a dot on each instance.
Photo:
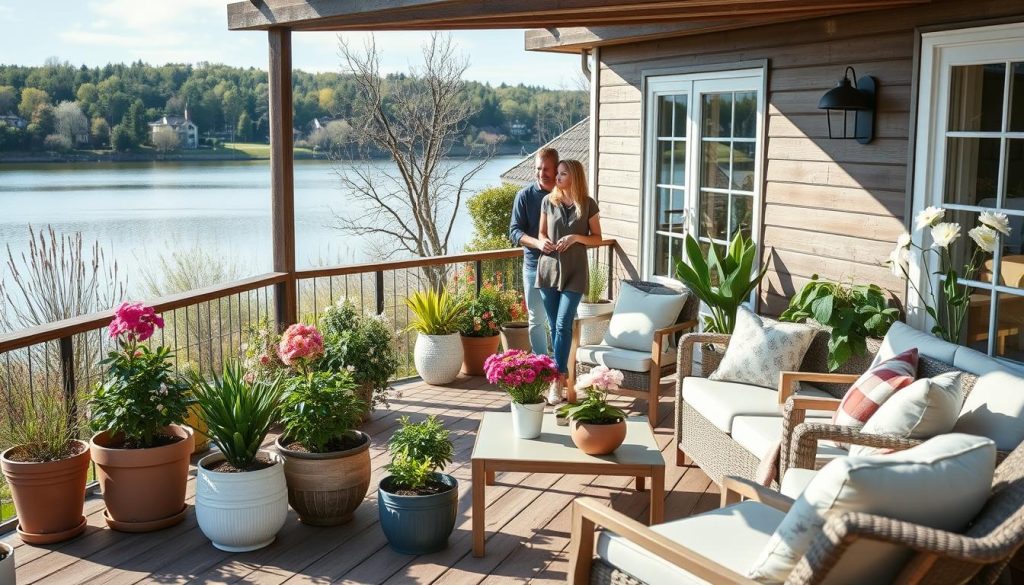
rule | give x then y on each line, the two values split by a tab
844	97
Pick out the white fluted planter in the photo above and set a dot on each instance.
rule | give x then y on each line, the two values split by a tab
438	358
241	511
527	419
593	333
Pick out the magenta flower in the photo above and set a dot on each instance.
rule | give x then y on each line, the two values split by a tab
300	342
136	321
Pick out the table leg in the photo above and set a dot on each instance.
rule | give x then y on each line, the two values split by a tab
490	478
657	495
640	483
479	504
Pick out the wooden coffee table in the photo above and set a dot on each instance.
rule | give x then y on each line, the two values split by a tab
498	449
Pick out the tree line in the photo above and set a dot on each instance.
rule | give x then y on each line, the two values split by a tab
67	106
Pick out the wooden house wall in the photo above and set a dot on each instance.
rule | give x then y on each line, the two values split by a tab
830	207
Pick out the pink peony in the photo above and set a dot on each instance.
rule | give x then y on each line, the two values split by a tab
300	342
602	378
136	321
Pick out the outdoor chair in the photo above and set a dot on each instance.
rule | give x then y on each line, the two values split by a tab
844	544
639	339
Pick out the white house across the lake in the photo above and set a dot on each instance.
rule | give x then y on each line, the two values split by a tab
188	132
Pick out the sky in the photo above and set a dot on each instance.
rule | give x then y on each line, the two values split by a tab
97	32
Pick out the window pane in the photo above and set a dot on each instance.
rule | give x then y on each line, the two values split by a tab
1015	174
743	166
1010	327
972	171
716	164
680	120
677	211
1017	98
717	114
976	97
679	163
663	220
742	215
661	255
664	115
975	327
676	248
714	209
664	162
745	124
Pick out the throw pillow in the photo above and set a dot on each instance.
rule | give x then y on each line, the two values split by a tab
639	312
995	409
899	486
874	387
922	410
760	349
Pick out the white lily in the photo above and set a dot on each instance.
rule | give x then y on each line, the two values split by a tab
930	216
944	234
985	237
995	220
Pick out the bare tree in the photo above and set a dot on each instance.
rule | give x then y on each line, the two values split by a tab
416	119
166	139
71	123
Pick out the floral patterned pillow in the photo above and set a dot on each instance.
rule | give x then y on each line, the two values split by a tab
761	348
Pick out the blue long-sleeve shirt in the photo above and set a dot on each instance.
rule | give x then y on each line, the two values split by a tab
526	221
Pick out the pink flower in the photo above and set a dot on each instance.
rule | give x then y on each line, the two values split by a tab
602	378
486	315
135	320
300	342
264	360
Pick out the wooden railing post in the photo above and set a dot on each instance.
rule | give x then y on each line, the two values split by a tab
282	174
611	270
67	371
379	290
478	268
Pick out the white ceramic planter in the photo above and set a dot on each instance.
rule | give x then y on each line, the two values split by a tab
593	333
241	511
438	358
527	419
7	576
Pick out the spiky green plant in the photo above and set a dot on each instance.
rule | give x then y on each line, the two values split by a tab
435	312
39	426
735	273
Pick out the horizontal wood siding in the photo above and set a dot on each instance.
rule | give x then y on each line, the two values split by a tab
831	207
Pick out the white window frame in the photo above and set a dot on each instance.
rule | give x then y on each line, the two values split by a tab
695	85
939	52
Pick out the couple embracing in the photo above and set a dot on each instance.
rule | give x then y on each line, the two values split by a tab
554	220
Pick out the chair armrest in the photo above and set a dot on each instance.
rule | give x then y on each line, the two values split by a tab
686	345
659	340
793	414
588	512
804	443
735	489
788	379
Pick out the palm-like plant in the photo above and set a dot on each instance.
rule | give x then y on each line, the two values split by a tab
435	312
237	412
735	281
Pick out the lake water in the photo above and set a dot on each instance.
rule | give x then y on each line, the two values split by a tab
138	211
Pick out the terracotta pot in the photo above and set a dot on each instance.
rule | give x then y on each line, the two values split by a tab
143	489
365	393
48	496
595	439
199	426
475	350
326	488
516	335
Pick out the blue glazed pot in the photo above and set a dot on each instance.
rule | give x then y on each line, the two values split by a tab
417	525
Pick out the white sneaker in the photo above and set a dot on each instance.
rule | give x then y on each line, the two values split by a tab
554	394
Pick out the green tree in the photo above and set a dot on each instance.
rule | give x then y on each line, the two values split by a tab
8	98
134	122
491	212
122	139
31	98
99	132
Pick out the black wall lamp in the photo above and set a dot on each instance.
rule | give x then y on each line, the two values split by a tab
858	97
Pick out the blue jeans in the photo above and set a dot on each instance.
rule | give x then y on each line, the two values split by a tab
561	309
535	310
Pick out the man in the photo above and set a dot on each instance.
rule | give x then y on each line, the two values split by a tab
523	232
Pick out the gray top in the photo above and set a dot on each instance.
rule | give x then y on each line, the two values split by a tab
566	270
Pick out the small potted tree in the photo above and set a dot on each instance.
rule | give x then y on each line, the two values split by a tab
596	427
525	376
141	450
418	505
241	498
594	303
326	461
438	351
46	468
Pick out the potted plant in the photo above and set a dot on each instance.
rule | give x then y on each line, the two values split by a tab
364	345
593	304
480	325
525	376
515	334
326	461
596	427
46	469
438	351
854	313
142	451
418	505
241	498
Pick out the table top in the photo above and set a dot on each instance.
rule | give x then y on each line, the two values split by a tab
496	441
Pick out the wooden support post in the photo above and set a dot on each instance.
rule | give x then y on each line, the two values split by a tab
378	291
478	268
67	370
282	178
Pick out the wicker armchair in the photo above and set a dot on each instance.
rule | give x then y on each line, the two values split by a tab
979	554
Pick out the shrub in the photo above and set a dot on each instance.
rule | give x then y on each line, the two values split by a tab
362	344
417	450
57	143
491	212
320	409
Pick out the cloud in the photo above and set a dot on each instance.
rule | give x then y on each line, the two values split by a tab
149	16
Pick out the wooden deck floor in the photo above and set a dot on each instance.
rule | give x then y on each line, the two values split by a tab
527	521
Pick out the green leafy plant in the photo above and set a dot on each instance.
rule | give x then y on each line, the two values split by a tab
597	281
491	211
594	409
417	451
361	344
435	312
238	413
39	426
487	310
853	312
320	408
259	351
734	273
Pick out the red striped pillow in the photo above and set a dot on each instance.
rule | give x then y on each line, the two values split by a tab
874	387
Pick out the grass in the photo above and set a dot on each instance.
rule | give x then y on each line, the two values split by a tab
259	150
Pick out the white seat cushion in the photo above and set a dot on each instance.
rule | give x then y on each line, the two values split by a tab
995	409
720	402
732	537
618	358
796	481
760	435
638	313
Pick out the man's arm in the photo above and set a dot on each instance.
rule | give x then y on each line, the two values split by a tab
516	229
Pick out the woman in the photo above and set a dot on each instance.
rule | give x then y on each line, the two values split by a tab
569	220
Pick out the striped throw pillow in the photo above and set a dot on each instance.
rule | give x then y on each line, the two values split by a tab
874	387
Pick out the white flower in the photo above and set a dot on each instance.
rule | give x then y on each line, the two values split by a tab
898	262
995	220
930	216
945	234
903	241
985	237
350	368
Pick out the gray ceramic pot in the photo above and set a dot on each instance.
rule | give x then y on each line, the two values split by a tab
417	525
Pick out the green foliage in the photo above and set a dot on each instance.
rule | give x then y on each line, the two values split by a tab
597	281
138	395
361	344
238	413
491	212
854	313
593	409
435	313
134	122
259	350
121	139
734	272
417	450
319	408
487	310
39	424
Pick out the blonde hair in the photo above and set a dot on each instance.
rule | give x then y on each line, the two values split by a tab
577	192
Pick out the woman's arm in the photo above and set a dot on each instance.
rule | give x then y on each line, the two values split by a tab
592	240
546	245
